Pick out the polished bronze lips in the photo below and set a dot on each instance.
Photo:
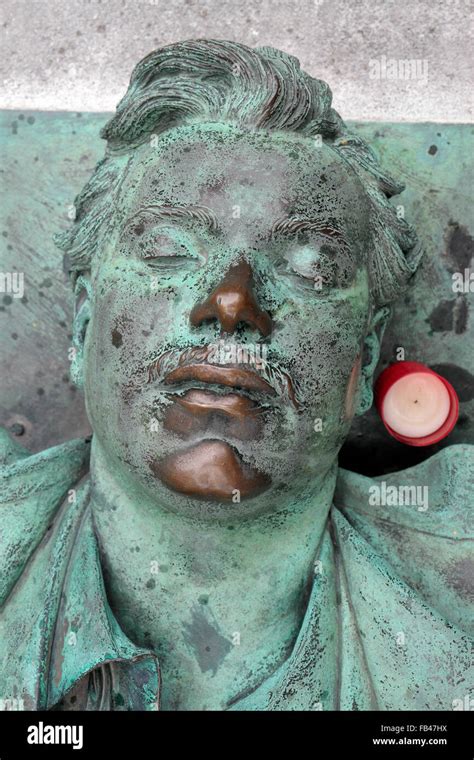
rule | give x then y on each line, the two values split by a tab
199	411
180	365
231	405
235	377
213	469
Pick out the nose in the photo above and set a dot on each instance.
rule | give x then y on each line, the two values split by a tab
233	301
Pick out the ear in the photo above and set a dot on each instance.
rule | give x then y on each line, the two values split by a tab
370	357
82	315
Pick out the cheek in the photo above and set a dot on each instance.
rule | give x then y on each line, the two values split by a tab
124	333
322	346
126	330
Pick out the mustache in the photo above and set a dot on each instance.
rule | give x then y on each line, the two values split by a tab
280	381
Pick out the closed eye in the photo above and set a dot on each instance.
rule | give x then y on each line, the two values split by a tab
309	264
308	267
317	268
167	249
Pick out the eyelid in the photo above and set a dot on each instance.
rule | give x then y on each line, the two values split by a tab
175	237
291	268
333	271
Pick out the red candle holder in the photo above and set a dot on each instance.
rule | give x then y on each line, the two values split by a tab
396	372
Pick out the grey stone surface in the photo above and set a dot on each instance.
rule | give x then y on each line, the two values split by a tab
78	54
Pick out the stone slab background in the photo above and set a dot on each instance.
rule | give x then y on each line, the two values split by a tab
48	156
78	54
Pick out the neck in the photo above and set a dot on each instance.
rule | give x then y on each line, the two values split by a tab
220	601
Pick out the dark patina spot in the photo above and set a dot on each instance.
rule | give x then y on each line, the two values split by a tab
210	647
116	338
459	248
460	576
450	316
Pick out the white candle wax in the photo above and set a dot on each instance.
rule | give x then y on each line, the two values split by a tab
416	405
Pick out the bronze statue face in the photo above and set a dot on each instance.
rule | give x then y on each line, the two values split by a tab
229	312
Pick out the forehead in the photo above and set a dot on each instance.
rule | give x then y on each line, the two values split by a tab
249	178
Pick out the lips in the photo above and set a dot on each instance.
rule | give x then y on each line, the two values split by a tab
182	366
234	377
200	412
231	405
213	469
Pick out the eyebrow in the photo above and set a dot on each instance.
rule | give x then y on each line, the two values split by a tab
295	224
289	225
201	214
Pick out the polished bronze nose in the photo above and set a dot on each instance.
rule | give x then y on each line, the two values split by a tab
233	301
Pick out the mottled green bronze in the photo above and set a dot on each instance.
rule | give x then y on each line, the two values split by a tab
189	561
38	402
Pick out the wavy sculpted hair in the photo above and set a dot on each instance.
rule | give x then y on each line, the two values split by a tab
261	88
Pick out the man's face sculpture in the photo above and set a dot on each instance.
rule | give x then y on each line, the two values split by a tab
222	360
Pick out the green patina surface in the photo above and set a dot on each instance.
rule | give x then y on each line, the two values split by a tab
48	156
386	644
